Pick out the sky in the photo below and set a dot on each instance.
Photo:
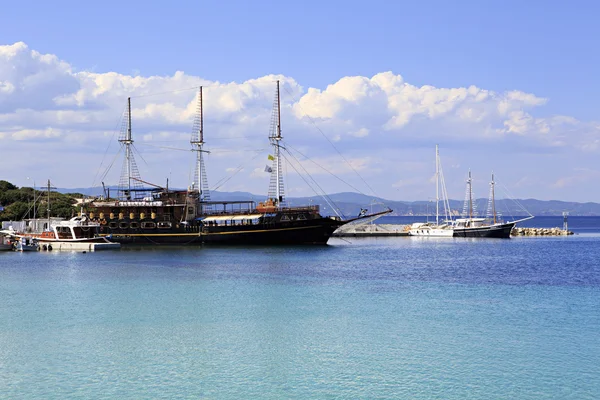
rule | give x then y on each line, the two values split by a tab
367	90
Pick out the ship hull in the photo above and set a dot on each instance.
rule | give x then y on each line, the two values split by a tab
314	232
501	231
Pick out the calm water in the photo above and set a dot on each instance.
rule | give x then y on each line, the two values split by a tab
372	318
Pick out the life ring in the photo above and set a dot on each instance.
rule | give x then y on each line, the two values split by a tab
103	222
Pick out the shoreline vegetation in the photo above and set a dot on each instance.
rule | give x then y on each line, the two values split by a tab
17	203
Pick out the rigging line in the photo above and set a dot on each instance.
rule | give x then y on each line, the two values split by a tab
329	201
302	176
325	169
223	181
211	151
159	93
139	153
111	164
219	151
220	182
163	147
330	142
513	199
108	147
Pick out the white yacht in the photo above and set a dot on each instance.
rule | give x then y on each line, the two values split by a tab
437	229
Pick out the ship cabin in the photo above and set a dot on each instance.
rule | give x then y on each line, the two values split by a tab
76	228
234	213
157	210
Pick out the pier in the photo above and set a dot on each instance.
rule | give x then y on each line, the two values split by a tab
371	230
376	230
540	232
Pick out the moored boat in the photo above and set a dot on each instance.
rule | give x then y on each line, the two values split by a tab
157	215
490	227
78	233
437	229
26	244
6	243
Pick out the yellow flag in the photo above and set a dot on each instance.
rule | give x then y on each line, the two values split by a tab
271	157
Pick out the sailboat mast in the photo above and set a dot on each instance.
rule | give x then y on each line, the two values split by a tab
276	192
34	200
277	139
437	185
470	196
199	145
493	198
48	204
128	142
197	142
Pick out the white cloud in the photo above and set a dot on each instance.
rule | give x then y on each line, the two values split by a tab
372	120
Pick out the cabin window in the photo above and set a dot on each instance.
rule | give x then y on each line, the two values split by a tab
113	225
148	225
301	217
191	210
164	225
134	225
285	218
123	225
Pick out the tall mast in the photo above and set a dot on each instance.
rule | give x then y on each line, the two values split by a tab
470	196
130	183
128	157
49	187
437	185
492	183
277	139
34	201
276	185
197	143
129	141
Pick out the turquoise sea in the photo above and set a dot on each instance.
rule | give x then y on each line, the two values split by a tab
379	318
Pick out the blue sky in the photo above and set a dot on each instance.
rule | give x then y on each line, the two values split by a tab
545	49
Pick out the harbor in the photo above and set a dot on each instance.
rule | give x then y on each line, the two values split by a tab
384	230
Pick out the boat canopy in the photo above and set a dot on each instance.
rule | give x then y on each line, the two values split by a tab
231	217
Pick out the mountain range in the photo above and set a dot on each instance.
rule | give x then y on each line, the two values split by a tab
350	203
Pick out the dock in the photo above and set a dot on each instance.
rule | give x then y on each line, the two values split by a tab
78	246
371	230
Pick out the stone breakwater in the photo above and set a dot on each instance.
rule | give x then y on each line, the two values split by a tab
539	232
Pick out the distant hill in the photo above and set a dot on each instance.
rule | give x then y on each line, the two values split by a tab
350	203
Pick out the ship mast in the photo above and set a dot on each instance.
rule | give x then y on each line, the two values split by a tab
128	142
492	184
129	181
437	185
197	143
49	187
276	187
469	184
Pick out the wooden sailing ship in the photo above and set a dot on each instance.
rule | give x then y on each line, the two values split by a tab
156	215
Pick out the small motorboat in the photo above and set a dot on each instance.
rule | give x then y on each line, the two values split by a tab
26	244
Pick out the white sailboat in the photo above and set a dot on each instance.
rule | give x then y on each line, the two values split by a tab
444	229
